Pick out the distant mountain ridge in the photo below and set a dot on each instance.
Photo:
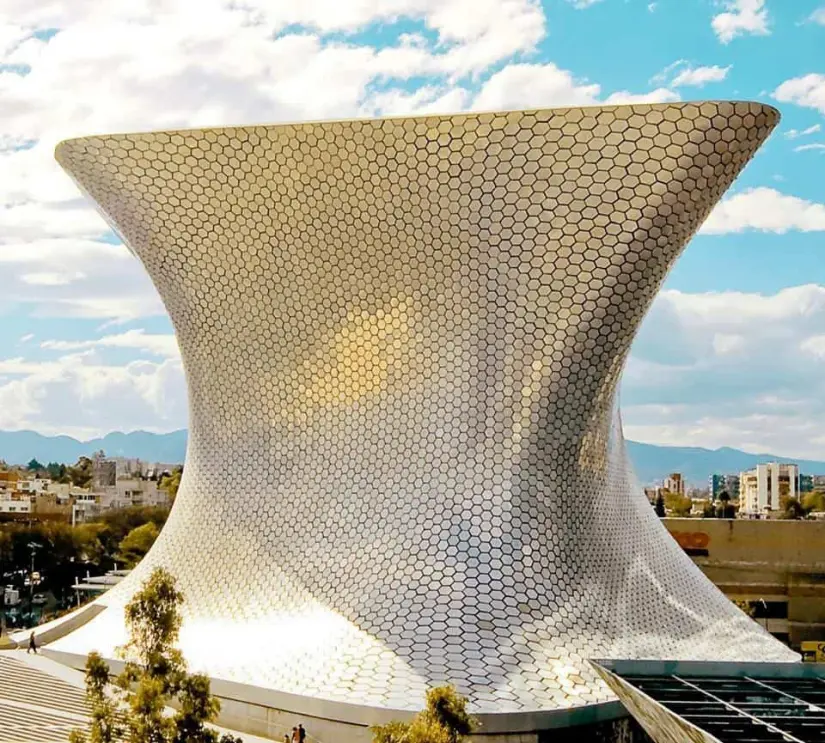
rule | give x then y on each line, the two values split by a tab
652	462
20	447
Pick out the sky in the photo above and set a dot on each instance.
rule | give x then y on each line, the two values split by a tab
732	352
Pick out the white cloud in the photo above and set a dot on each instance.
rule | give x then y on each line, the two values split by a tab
81	396
33	220
660	95
807	90
126	67
764	210
807	147
651	7
26	338
814	345
739	18
818	16
730	369
699	76
582	4
45	276
661	77
541	85
728	344
796	133
157	344
545	84
50	278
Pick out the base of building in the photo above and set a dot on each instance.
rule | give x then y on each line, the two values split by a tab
272	714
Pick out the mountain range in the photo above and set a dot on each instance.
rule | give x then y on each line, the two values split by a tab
652	462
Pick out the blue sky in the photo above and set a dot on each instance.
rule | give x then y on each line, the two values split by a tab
733	351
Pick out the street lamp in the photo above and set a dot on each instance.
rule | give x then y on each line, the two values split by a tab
33	546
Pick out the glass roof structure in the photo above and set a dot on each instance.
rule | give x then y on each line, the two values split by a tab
729	703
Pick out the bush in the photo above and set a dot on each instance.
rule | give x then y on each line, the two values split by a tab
444	720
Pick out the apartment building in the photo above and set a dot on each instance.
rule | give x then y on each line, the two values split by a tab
762	488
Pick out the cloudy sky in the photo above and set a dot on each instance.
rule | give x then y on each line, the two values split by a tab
733	351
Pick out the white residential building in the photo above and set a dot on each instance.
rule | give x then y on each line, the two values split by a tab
15	503
761	489
35	486
65	491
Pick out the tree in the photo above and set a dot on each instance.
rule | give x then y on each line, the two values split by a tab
814	501
137	543
171	482
104	726
791	508
444	720
57	472
678	505
725	510
449	709
34	466
81	473
154	674
660	506
745	606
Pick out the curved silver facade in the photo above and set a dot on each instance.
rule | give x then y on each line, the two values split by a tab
403	340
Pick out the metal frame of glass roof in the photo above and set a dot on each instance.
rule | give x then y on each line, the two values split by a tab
736	702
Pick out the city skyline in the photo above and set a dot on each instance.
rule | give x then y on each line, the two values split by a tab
733	351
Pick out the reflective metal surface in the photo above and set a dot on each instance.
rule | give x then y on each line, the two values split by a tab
403	339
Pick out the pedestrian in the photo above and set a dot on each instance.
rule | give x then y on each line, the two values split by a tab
32	645
302	734
286	738
294	735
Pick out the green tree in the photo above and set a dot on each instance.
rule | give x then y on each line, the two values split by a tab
448	708
745	606
678	505
660	506
813	501
57	472
104	727
725	509
791	508
137	543
81	473
34	466
171	482
444	720
154	674
197	707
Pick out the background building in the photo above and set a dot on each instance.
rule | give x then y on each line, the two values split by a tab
762	489
674	483
774	569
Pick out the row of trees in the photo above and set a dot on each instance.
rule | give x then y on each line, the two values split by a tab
65	552
790	508
78	474
796	508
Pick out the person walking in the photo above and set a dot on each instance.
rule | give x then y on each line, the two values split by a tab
302	734
286	738
32	645
294	735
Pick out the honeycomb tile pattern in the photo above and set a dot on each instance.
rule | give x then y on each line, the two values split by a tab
403	339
